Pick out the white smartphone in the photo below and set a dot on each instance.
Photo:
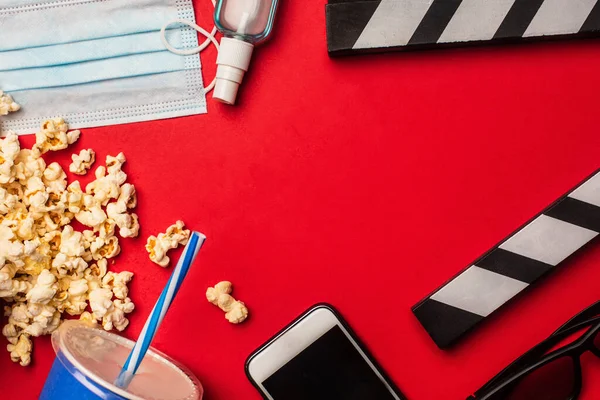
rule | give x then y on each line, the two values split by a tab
318	357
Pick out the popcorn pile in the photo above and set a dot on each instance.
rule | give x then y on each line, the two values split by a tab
7	104
46	267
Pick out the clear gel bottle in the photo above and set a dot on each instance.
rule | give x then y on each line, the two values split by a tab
243	24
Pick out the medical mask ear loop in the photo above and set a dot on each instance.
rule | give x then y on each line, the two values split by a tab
210	37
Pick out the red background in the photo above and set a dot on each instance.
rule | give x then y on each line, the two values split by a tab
364	182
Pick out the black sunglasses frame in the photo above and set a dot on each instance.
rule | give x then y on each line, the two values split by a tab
537	357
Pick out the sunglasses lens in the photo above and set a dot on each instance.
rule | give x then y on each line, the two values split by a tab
552	381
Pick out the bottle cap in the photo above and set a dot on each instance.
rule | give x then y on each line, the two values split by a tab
232	63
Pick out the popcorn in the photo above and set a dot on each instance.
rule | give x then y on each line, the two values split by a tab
7	201
107	228
53	136
44	320
25	321
71	242
51	242
97	271
133	230
118	283
10	288
9	330
35	258
92	217
65	265
21	350
105	248
28	164
76	302
158	247
115	318
34	185
10	249
114	167
74	197
25	228
47	268
93	282
82	162
88	318
55	178
100	302
235	311
9	149
118	213
78	287
44	289
18	316
115	315
37	204
108	180
128	195
126	305
7	104
128	223
52	222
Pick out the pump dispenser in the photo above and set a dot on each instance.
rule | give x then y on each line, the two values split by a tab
243	23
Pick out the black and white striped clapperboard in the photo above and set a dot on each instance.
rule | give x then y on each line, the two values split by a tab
521	259
381	25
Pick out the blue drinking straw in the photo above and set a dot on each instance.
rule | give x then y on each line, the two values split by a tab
160	309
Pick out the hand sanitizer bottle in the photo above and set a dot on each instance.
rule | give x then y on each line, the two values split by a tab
243	24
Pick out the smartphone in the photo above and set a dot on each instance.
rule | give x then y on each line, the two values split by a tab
318	357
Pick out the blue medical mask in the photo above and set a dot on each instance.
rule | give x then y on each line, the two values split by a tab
97	62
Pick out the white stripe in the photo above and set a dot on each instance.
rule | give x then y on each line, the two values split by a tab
169	296
548	240
557	17
393	23
476	20
589	192
135	354
479	291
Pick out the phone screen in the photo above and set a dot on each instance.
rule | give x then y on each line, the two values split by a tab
330	368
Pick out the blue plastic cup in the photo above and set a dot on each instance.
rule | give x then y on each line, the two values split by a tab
88	360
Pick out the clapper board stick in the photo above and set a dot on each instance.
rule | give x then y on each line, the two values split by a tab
356	26
534	250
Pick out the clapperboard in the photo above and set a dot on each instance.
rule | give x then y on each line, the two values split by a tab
520	260
355	26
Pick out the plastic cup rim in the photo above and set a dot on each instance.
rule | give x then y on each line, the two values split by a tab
60	346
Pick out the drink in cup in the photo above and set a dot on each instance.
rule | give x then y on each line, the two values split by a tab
88	360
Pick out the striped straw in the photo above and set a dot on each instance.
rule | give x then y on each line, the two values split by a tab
160	309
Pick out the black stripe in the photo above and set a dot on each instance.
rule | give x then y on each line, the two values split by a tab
592	23
349	1
513	265
518	19
434	22
444	323
577	213
345	22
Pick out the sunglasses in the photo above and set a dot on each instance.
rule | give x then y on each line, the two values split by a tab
546	373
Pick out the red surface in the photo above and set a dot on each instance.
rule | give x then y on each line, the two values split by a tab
363	182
